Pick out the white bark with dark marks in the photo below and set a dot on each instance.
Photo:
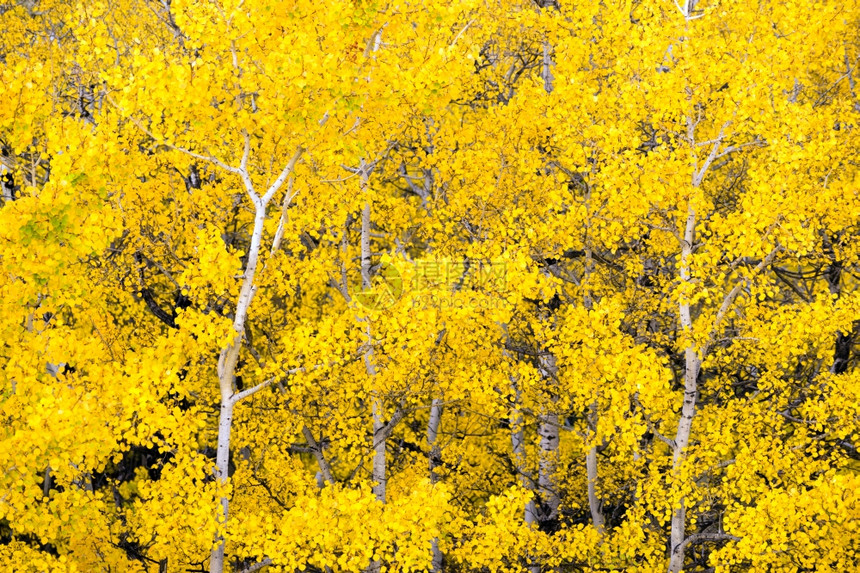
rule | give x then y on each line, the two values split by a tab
519	450
594	503
694	356
229	356
548	444
433	455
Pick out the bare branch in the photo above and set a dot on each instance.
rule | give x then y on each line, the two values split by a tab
702	537
461	32
256	566
421	192
316	448
733	148
733	294
668	441
279	234
697	177
209	158
238	396
288	169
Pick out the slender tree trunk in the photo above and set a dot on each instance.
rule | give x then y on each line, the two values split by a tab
548	444
546	67
595	506
365	241
519	450
688	409
316	448
692	357
432	434
226	374
593	500
230	354
380	429
379	462
548	432
378	422
5	183
225	424
546	70
379	470
594	503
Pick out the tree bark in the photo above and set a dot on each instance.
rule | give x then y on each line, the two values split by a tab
688	409
591	473
546	70
594	503
230	354
432	434
548	444
693	358
519	450
381	428
316	448
226	374
692	361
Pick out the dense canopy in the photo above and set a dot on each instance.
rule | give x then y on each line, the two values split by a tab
485	285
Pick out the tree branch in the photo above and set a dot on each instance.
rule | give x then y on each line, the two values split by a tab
698	177
238	396
316	448
733	294
702	537
209	158
256	566
288	169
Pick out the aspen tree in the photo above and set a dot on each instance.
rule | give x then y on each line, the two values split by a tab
618	244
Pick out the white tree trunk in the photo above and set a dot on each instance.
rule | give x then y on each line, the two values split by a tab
548	444
519	450
379	437
230	354
379	477
546	70
432	434
591	473
548	432
226	374
381	429
365	245
593	500
692	359
688	409
5	190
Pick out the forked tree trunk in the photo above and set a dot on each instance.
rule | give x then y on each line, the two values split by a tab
693	355
229	356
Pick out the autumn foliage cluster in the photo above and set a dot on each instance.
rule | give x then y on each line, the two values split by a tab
421	285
